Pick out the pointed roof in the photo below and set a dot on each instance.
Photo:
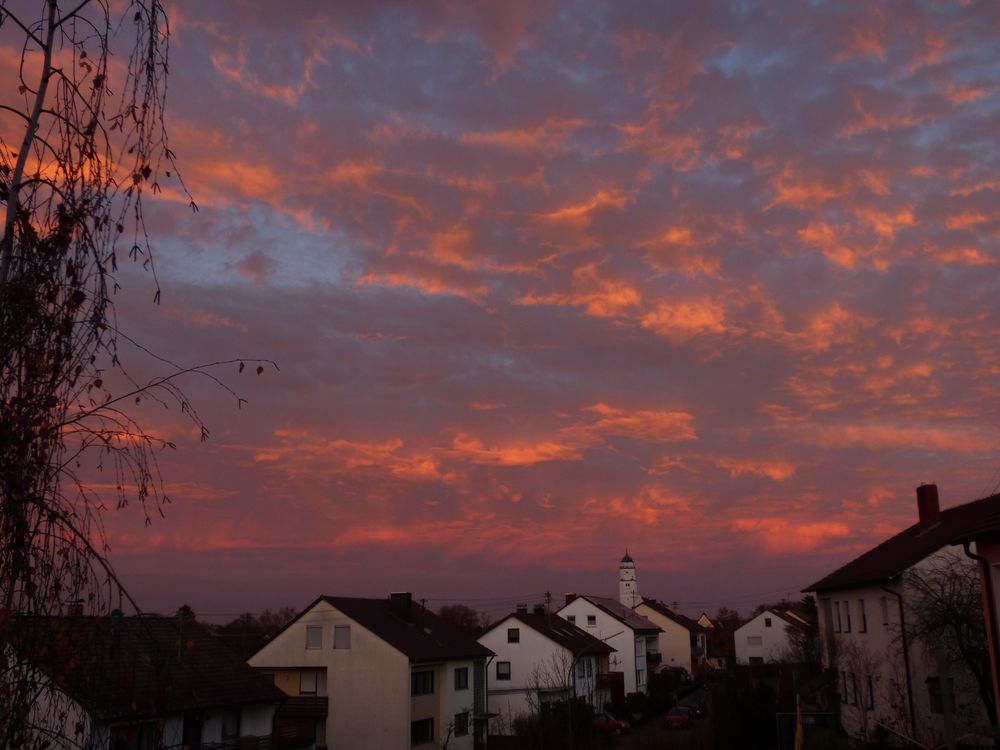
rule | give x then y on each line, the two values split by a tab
682	620
560	631
623	614
889	559
628	558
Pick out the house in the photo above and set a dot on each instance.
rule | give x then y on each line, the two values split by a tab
125	683
720	649
634	638
982	531
384	674
767	638
540	657
894	673
681	640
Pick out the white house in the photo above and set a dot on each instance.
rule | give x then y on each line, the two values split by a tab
766	638
681	639
632	636
388	674
540	657
112	682
868	614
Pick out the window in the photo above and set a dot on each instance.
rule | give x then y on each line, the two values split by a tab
230	723
937	696
871	693
461	678
838	625
307	683
854	689
843	687
754	640
314	637
513	635
640	677
503	670
863	625
422	683
847	617
590	667
571	619
581	670
421	732
591	621
462	724
756	659
342	636
885	610
767	622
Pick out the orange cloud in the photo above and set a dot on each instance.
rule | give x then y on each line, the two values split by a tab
581	211
882	436
644	424
792	190
547	136
781	536
779	471
475	451
682	321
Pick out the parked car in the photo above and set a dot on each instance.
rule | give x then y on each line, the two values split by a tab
698	706
679	717
608	724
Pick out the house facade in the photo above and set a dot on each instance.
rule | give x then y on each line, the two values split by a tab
873	619
126	683
540	657
341	656
766	638
681	642
634	638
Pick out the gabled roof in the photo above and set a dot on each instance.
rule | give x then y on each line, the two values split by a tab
141	667
562	632
889	559
788	619
424	637
682	620
623	614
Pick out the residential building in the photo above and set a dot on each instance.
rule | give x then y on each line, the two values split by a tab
389	674
633	637
871	615
113	683
681	642
768	637
540	657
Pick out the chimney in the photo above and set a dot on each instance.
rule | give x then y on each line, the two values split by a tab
570	596
401	605
521	609
927	504
539	609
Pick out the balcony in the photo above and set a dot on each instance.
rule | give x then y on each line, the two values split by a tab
653	660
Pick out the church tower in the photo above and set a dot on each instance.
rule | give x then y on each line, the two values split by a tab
628	588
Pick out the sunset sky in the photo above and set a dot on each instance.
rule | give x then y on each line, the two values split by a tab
713	282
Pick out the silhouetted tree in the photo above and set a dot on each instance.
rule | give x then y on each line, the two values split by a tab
465	618
89	145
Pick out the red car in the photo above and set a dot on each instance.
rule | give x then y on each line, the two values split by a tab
607	724
679	717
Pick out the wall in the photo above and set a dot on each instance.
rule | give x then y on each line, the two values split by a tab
675	640
774	641
613	632
368	684
535	662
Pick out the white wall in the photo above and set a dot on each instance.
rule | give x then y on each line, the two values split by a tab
773	645
674	642
613	632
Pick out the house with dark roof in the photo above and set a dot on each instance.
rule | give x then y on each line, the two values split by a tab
870	612
634	638
385	674
540	657
123	683
767	638
682	641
